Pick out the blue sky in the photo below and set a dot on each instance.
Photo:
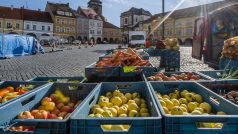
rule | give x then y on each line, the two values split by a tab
111	8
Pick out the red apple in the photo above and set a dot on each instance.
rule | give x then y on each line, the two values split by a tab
65	109
55	111
53	97
52	116
45	101
60	105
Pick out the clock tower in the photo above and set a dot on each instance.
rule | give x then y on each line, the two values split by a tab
96	5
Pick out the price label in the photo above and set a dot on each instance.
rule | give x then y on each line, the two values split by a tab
129	69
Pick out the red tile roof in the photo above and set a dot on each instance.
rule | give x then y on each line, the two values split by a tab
33	15
11	13
109	25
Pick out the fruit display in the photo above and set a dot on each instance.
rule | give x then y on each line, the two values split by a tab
189	104
171	44
123	58
175	77
232	96
9	93
64	81
57	106
22	129
118	104
230	49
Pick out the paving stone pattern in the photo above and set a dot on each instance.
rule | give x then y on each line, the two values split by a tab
71	63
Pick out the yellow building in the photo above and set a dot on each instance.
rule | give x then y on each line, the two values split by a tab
180	23
111	33
11	20
64	20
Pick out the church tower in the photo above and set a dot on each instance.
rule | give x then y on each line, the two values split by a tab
96	5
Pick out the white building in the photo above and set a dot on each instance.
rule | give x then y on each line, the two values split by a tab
37	23
95	24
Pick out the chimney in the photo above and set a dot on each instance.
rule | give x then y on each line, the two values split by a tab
11	7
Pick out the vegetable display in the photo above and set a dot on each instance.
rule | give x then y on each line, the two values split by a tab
230	49
123	58
9	93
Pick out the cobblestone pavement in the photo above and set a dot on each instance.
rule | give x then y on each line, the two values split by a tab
187	63
61	63
71	63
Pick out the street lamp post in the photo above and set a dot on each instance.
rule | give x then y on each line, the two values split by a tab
163	17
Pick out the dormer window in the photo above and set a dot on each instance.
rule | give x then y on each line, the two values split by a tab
60	12
67	13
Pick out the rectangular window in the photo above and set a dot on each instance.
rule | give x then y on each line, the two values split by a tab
91	31
9	25
91	24
62	30
69	22
57	20
57	29
99	32
125	21
68	30
34	27
17	25
27	26
99	24
72	22
43	28
72	30
49	28
62	21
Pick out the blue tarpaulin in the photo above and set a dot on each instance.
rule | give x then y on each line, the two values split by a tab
16	45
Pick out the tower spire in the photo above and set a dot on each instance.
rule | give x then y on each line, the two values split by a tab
96	5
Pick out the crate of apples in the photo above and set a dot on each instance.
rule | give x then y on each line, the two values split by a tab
118	104
188	103
187	76
57	106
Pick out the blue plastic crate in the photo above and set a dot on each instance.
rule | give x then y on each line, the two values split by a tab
32	101
59	79
81	123
37	86
172	58
227	63
92	71
136	78
222	87
150	51
216	75
146	75
186	124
